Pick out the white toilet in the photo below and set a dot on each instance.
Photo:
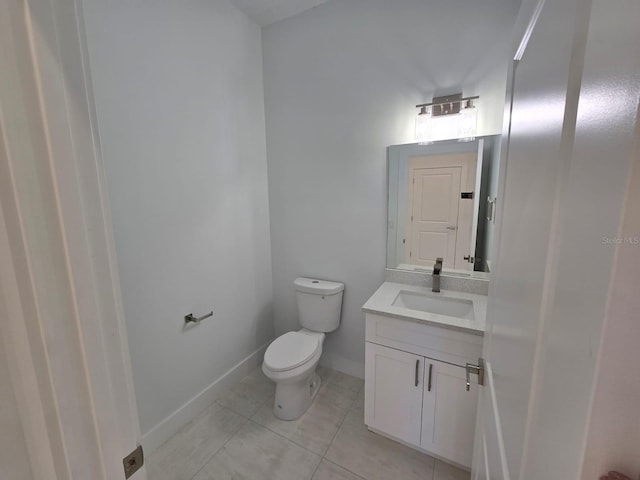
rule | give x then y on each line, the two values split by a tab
291	359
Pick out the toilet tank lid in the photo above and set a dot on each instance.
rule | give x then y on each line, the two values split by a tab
319	287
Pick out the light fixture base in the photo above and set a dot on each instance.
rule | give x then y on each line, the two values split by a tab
447	105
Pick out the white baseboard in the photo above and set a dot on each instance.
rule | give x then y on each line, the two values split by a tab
344	365
189	410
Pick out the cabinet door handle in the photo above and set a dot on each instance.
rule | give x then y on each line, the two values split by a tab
417	369
430	372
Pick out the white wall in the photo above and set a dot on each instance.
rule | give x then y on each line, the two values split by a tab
613	441
179	99
341	83
14	460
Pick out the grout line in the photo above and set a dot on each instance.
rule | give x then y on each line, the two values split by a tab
316	469
286	438
321	455
337	430
185	428
250	419
242	425
204	464
343	468
342	423
251	415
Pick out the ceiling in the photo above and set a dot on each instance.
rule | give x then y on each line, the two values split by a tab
266	12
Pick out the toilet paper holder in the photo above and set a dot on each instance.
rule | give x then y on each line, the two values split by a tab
191	319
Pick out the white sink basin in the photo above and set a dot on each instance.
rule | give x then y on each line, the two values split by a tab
452	307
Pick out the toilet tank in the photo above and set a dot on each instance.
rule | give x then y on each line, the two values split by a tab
319	303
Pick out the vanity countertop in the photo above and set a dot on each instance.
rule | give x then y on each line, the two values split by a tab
381	303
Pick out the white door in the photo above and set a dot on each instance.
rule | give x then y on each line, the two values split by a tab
440	223
518	283
544	317
394	385
448	412
489	460
434	215
62	328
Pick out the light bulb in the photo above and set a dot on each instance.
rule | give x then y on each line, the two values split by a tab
423	127
468	122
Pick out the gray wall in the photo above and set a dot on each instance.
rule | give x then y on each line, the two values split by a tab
341	82
179	99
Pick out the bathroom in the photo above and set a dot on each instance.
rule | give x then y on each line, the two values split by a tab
241	145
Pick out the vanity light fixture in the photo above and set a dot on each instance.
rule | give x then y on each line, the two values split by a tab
468	122
423	126
445	118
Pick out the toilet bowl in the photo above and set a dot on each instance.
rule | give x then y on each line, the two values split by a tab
291	362
291	359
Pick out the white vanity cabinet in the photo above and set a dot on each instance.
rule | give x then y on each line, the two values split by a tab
415	386
448	413
393	392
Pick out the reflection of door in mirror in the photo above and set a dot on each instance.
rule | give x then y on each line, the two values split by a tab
439	219
439	203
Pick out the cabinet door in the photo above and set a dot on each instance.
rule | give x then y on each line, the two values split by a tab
393	392
448	412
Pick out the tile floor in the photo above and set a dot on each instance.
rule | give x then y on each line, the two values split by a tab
239	438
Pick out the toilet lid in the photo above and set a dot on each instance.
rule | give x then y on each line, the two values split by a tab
289	351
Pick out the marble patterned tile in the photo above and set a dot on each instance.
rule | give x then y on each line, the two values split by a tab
444	471
248	396
256	453
330	471
222	444
375	457
358	404
191	448
315	429
330	377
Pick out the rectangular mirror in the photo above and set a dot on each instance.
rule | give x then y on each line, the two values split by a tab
442	200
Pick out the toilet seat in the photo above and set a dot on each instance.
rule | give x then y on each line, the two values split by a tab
290	350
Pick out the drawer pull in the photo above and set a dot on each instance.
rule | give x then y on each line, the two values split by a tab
430	372
417	369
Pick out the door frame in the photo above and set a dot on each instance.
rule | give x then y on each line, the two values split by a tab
63	329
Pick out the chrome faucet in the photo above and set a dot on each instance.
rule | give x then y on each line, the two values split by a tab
435	276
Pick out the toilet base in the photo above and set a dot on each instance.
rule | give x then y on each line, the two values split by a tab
294	398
